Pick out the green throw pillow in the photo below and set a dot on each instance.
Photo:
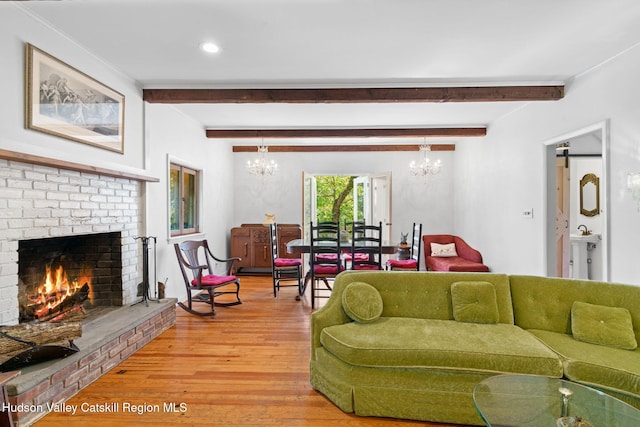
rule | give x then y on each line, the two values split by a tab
362	302
599	324
474	302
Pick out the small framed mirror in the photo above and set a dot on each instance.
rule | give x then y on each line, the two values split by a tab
590	195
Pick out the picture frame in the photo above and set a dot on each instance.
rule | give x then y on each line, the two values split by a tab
65	102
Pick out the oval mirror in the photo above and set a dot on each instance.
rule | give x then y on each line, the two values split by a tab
590	195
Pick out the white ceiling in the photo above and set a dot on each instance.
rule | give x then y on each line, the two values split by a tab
348	43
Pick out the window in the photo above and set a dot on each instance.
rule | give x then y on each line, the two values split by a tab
183	200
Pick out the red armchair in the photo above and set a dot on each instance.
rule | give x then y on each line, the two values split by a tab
465	258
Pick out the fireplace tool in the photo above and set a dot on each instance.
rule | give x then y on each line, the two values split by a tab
35	353
145	270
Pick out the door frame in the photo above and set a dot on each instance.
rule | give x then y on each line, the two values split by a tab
365	182
309	178
550	195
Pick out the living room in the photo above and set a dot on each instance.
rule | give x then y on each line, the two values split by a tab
469	198
485	186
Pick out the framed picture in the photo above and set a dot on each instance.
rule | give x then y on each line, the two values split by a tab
65	102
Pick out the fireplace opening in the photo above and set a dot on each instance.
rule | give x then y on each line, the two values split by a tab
62	277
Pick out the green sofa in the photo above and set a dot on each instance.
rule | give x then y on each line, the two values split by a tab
414	344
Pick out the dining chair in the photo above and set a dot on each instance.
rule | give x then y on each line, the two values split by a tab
284	269
195	256
325	262
347	257
413	263
366	247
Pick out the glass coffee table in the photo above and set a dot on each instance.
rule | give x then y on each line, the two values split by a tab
536	401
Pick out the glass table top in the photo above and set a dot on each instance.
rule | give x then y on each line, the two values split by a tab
536	401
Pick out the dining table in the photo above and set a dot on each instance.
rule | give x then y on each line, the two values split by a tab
302	246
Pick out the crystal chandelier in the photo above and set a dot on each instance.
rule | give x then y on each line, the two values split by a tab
261	166
425	167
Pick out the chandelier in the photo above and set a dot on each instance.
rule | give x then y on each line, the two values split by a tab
261	166
425	167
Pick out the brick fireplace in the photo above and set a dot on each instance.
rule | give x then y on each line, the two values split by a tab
40	202
58	274
71	210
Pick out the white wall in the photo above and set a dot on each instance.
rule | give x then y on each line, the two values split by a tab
172	133
18	28
413	199
167	131
504	174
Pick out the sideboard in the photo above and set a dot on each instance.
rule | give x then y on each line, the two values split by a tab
250	242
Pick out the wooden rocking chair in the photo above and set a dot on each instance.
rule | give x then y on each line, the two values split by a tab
189	255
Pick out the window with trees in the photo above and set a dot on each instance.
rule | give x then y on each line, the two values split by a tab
347	198
183	200
334	198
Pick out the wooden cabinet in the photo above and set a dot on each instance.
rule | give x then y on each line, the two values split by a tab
286	233
251	243
241	247
260	251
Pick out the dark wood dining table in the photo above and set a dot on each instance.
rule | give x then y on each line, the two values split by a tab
300	246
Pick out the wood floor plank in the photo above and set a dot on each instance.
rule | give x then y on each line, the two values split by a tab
246	366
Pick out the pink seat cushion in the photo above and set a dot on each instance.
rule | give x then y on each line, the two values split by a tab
330	257
365	267
454	264
213	280
327	269
359	257
402	263
287	262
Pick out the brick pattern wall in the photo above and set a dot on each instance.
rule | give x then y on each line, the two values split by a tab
39	202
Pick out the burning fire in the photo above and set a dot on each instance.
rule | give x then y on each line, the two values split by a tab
56	288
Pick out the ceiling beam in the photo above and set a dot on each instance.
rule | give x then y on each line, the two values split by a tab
339	148
347	133
355	95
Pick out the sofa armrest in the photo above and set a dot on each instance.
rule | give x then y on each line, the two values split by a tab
330	314
467	252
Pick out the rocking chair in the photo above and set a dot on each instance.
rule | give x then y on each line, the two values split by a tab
189	253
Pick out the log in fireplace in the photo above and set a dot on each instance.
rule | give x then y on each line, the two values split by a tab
59	274
59	280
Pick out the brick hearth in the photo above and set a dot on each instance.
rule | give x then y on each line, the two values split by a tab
106	341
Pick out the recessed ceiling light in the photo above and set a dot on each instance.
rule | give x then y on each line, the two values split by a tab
209	47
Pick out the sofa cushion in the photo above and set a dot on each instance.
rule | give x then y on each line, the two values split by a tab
474	302
545	302
443	250
455	264
599	324
601	366
442	344
362	302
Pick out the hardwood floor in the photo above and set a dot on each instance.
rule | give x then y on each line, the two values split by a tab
246	366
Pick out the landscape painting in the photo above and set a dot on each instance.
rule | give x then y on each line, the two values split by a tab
63	101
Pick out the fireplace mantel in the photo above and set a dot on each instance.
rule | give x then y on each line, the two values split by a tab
79	167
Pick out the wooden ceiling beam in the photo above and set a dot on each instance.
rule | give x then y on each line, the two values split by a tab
347	133
355	95
339	148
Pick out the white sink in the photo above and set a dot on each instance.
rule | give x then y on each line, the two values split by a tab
591	238
580	249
